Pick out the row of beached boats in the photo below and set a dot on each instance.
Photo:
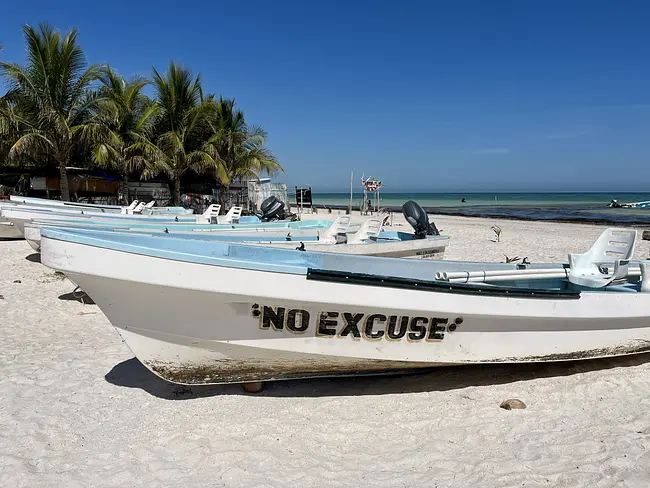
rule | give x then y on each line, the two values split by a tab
206	311
341	235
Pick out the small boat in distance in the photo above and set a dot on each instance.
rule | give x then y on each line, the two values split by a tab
616	204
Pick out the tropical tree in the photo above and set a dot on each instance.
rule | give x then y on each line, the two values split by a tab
52	97
124	116
238	147
181	129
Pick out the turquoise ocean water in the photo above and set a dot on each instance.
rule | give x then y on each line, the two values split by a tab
588	207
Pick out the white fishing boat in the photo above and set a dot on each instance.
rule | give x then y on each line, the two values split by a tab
368	239
617	204
134	208
20	214
224	313
292	230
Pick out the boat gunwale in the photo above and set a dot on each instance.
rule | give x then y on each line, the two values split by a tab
366	279
296	263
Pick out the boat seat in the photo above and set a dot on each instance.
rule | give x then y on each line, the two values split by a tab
138	208
340	226
232	217
211	212
130	208
150	204
606	263
369	230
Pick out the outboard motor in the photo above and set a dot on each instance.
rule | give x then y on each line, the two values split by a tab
419	220
272	208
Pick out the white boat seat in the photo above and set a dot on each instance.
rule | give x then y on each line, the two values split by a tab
232	217
150	204
340	226
138	208
211	212
370	229
129	210
606	263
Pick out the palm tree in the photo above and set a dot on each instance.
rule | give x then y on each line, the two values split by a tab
238	147
124	116
53	95
181	130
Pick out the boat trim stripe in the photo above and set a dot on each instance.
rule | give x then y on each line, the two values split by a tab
437	286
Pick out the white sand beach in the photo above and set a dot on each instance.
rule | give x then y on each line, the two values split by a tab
77	410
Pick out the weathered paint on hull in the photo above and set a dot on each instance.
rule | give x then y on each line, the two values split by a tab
209	324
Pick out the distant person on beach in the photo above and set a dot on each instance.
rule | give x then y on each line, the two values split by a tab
463	200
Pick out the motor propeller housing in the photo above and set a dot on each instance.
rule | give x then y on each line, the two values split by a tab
419	220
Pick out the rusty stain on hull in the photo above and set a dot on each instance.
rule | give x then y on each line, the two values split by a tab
246	370
636	347
251	369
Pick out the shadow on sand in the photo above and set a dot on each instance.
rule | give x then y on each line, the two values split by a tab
77	296
34	257
132	374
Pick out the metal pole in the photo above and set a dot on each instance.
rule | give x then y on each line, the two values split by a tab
351	177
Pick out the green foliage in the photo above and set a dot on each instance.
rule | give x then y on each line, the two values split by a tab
49	99
57	110
497	232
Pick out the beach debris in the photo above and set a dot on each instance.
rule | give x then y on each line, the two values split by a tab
497	232
2	297
253	387
512	404
86	313
17	281
512	260
646	235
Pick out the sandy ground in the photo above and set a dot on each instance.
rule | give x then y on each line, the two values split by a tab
77	410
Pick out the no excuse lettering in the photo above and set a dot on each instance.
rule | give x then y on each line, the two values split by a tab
366	326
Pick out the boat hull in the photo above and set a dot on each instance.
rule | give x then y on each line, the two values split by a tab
215	324
9	231
428	248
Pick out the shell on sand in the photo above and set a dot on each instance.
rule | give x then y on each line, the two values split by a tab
512	404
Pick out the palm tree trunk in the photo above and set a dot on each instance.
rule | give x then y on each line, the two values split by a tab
177	190
63	184
125	190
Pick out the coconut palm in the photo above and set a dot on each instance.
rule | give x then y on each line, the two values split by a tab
124	116
238	147
181	130
52	95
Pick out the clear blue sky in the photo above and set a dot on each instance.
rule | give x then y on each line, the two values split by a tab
426	96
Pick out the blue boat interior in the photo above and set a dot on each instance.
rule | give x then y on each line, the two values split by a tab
173	227
258	238
291	261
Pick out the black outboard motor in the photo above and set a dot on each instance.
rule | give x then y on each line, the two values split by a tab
419	220
272	208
